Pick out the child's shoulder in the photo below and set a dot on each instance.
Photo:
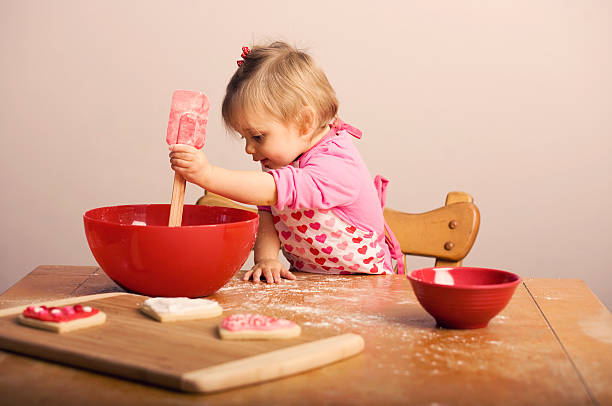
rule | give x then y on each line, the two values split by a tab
340	145
338	154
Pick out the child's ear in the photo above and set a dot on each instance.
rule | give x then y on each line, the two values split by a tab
307	121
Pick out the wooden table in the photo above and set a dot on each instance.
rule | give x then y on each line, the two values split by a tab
552	345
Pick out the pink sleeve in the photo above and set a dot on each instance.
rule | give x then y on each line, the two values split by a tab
325	180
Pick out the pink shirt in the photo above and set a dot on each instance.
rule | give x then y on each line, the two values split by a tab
331	175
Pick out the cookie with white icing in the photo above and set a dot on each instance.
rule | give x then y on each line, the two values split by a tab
166	309
62	319
257	327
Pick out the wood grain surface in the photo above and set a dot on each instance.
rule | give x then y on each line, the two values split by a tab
524	357
177	355
583	326
175	218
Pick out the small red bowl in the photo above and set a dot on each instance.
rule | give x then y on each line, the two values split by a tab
135	247
463	297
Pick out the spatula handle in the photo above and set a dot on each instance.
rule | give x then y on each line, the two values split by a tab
178	199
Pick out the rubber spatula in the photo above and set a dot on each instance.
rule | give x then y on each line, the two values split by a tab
186	125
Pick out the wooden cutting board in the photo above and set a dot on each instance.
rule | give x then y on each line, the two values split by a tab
186	355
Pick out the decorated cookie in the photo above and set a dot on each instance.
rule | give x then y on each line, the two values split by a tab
62	319
257	327
180	308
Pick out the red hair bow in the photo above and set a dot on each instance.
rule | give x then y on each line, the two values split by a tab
245	52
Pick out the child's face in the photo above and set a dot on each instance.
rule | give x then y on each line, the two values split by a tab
272	143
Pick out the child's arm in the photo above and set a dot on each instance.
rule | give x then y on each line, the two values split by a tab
250	187
267	247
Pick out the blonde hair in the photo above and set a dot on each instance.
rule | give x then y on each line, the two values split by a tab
279	80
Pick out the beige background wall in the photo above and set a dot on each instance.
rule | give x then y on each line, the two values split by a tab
509	100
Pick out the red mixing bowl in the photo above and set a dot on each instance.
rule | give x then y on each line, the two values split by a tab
463	297
135	247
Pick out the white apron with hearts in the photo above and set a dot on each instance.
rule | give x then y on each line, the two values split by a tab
316	240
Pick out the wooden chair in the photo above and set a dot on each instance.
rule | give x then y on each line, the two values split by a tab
446	233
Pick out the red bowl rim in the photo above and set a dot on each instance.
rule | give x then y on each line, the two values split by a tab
87	217
470	287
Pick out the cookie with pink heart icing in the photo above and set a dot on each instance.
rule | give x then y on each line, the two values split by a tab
245	326
61	319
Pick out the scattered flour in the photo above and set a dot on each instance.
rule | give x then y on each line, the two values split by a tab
313	303
394	321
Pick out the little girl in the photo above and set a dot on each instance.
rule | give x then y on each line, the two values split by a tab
315	195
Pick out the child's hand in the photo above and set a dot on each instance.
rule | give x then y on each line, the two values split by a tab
190	163
271	269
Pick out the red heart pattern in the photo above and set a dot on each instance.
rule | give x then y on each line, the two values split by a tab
322	233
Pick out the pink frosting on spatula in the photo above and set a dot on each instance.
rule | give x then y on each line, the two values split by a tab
188	118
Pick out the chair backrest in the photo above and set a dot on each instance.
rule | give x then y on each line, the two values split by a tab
446	234
212	199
